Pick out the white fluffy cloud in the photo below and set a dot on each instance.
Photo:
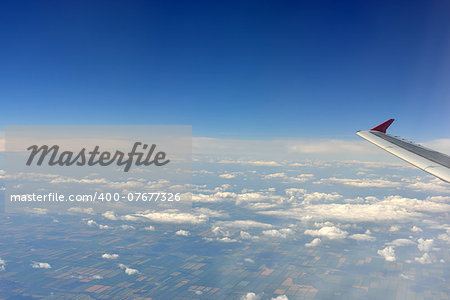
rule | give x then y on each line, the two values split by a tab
91	223
110	256
173	216
183	232
218	231
425	245
127	227
330	232
281	297
243	224
251	296
282	233
275	175
401	242
266	163
40	265
128	271
218	196
424	259
391	208
315	242
435	185
394	228
227	175
247	236
444	237
364	182
89	210
109	215
258	197
363	236
37	210
316	197
416	229
2	265
388	253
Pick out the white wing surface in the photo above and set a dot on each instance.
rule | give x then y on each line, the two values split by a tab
433	162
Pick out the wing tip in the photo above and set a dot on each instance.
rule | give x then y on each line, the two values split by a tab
383	126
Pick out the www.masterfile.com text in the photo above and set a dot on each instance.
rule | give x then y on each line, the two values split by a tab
96	197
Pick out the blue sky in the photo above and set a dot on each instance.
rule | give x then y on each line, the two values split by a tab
247	69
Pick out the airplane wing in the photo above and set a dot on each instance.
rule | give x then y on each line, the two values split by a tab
433	162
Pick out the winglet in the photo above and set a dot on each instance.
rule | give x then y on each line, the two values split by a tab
382	127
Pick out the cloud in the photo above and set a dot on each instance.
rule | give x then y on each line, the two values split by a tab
183	232
89	210
37	210
131	218
128	271
253	163
251	296
314	243
302	177
258	197
109	215
2	265
388	253
401	242
261	205
363	237
247	236
425	245
394	228
365	182
40	265
215	197
92	223
218	231
249	260
416	229
127	227
435	185
330	232
220	195
281	297
424	259
110	256
149	228
308	198
275	175
391	208
316	197
227	175
173	216
282	233
444	237
224	239
243	224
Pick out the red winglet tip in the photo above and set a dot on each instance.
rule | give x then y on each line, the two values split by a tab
382	127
